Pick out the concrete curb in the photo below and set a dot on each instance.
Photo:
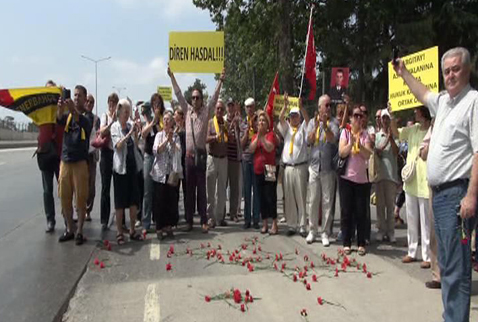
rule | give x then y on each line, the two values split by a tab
17	144
59	315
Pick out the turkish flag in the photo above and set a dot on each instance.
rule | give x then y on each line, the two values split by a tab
270	101
310	86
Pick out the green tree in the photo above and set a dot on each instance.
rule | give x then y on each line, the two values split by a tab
264	36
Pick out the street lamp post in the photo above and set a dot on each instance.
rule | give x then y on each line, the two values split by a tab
96	61
119	89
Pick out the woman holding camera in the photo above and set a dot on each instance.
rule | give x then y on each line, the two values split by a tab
127	163
166	173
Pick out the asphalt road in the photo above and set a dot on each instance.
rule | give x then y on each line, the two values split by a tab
37	274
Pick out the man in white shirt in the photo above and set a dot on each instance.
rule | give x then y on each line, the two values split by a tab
452	170
295	159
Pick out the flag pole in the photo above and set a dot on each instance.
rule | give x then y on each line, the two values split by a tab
306	48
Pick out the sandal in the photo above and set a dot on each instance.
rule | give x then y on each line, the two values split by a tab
273	232
136	237
120	239
347	250
362	251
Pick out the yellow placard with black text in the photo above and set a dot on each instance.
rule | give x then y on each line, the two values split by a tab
424	66
279	103
196	52
166	93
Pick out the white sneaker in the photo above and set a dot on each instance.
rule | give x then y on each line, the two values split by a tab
325	240
310	237
379	237
392	238
137	224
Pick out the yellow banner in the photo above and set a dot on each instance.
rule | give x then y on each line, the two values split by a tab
196	52
424	66
279	103
166	93
38	103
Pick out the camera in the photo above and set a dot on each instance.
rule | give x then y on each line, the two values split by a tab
65	94
395	56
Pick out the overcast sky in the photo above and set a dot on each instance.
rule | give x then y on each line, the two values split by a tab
44	40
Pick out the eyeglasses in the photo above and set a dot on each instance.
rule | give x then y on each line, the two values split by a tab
195	98
358	116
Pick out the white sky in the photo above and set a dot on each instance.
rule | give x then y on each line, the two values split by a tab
44	40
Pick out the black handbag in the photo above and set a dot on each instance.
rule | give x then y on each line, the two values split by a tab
200	155
47	157
340	164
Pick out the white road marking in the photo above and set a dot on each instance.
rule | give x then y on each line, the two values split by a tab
151	305
154	251
17	150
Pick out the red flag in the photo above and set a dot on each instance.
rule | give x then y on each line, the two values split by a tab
310	60
270	100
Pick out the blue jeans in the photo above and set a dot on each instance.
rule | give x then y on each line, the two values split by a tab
454	258
148	191
250	190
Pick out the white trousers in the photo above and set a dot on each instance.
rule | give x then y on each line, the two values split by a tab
417	214
321	192
295	189
216	181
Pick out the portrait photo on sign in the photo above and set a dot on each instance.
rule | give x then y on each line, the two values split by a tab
339	81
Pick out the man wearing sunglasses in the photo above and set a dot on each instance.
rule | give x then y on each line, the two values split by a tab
452	171
197	117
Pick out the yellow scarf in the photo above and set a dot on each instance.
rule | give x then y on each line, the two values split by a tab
317	135
356	148
68	121
291	145
161	124
222	138
251	127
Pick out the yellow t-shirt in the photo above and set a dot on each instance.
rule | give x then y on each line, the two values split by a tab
418	185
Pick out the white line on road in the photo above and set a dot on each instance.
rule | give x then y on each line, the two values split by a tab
154	251
17	150
151	304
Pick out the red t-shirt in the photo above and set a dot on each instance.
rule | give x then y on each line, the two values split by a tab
261	156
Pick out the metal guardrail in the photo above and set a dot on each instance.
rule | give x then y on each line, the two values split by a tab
18	126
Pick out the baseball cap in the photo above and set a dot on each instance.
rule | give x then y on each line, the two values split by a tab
249	101
294	110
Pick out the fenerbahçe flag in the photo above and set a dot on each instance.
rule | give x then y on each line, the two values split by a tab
38	103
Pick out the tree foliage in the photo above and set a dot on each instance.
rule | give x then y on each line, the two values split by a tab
265	36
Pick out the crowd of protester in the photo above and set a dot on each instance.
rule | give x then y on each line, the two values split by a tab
212	149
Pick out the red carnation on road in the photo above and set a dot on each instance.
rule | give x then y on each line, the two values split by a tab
320	300
169	267
207	298
237	296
